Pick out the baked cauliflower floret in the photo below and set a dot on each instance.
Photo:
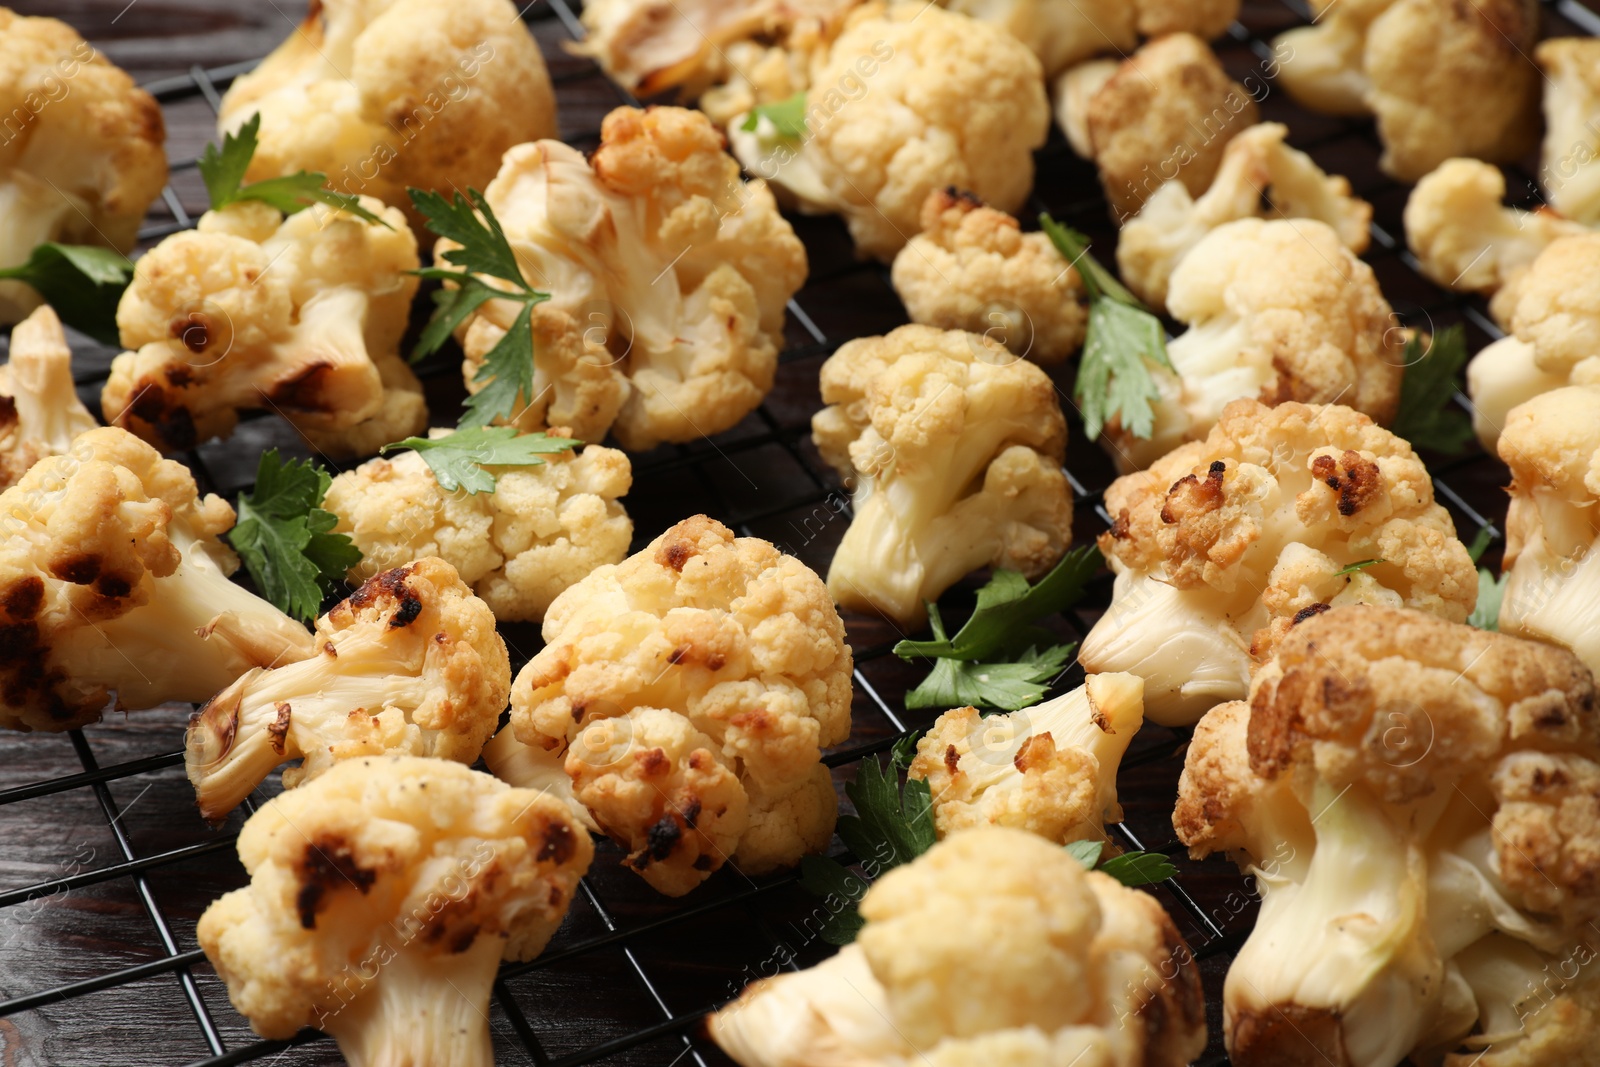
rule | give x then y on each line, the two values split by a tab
1568	169
947	101
40	412
952	447
1416	800
1050	769
112	579
994	946
408	664
1165	113
972	268
82	153
1277	311
1224	543
708	668
1062	34
382	899
382	95
300	315
1443	78
540	530
1260	177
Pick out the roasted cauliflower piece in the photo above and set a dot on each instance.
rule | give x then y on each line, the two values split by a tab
1062	34
1277	311
942	100
952	447
972	268
1260	177
382	899
408	664
692	688
1050	769
668	276
1443	78
251	310
1416	800
1568	170
1224	543
112	579
40	412
83	153
994	946
385	95
1165	113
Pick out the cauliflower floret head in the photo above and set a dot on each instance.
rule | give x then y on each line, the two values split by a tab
408	664
1417	801
382	95
972	268
1277	311
952	446
1260	176
1223	544
735	658
994	946
382	899
1569	165
300	315
1062	34
40	412
82	156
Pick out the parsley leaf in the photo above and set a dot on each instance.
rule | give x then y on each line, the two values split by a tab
905	750
1008	686
1131	868
1486	615
1360	565
1123	339
788	117
459	461
223	172
81	282
285	537
1086	852
1428	416
841	889
1481	541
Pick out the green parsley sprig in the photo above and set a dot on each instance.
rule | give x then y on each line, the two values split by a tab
788	117
1124	340
1359	565
461	459
81	282
223	171
1428	416
1491	590
285	537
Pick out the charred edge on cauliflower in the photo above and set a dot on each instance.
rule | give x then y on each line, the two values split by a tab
328	864
1356	479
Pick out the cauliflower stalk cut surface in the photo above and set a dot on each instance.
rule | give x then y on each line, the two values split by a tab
382	95
112	579
1417	801
994	946
909	100
668	277
1260	176
972	268
689	691
541	530
251	310
1224	544
382	899
83	153
1277	311
40	412
1443	78
1050	769
1569	165
953	449
409	664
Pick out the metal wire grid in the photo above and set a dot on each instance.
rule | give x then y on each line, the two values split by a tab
1215	938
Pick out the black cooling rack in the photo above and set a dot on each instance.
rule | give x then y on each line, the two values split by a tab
627	980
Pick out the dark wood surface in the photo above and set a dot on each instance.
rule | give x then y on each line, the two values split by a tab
580	994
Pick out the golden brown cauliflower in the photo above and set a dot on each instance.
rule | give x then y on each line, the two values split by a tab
1277	311
40	412
1419	802
972	268
82	153
382	95
300	315
1062	34
909	100
1444	78
382	899
1569	166
993	947
1165	113
952	447
693	687
668	277
1224	543
408	664
1260	177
